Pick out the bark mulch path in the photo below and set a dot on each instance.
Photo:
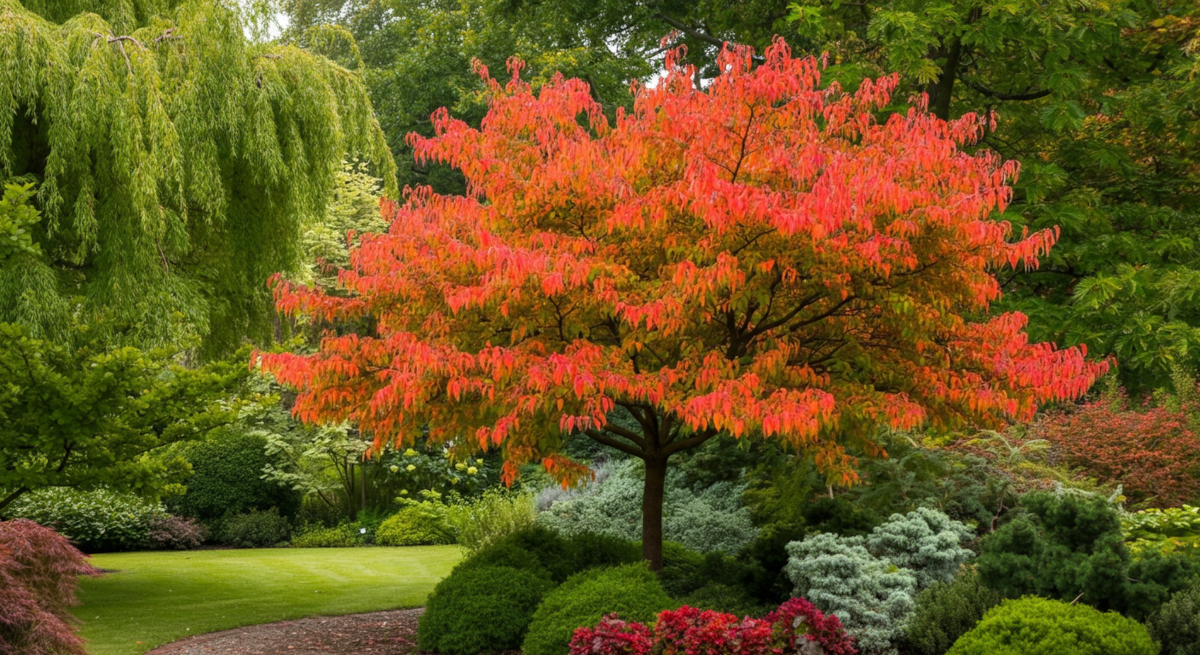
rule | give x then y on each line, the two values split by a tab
377	633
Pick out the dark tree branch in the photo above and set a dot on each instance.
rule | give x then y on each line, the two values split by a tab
600	437
691	442
1031	95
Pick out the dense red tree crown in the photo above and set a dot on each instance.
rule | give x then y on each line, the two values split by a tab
760	256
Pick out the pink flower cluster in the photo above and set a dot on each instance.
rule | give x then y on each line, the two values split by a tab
796	627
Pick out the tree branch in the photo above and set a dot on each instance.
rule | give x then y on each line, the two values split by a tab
599	436
690	442
1032	95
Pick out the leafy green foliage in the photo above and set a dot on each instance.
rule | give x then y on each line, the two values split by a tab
480	609
90	416
1071	547
1170	530
228	479
1037	626
97	521
177	164
1176	625
416	524
490	517
255	529
631	591
345	535
946	611
16	218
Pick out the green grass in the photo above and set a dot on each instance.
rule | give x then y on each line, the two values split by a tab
159	597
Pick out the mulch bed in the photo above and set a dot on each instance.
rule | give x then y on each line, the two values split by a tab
378	633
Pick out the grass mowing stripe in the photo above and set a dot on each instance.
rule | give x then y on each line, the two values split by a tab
158	597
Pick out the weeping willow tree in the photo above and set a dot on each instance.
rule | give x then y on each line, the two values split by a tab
177	162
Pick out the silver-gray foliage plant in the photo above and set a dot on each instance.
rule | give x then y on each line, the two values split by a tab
710	519
870	583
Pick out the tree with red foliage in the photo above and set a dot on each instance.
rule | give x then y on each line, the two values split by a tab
1153	451
38	578
758	257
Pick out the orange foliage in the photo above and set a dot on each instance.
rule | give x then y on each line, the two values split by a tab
761	256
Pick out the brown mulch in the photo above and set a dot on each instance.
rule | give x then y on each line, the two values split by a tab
378	633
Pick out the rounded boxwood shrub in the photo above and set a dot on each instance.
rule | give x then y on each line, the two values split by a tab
416	524
1039	626
480	609
1176	625
631	591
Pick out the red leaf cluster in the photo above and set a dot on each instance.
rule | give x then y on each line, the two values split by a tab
1153	450
38	571
761	256
690	631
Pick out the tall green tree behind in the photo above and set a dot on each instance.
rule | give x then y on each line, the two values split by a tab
177	162
1099	102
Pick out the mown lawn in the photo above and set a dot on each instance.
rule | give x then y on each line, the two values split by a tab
158	597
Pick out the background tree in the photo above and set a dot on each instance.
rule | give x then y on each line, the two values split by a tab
1097	101
758	258
90	415
177	162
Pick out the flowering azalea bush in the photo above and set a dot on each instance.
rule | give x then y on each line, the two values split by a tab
691	631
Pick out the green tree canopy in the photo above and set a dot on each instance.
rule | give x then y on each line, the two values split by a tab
177	162
90	415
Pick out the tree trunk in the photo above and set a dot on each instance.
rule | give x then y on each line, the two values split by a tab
941	89
652	512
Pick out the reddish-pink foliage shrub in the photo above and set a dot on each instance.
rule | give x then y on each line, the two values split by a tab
175	533
1153	451
690	631
38	580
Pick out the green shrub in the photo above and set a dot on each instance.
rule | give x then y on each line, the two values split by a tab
255	529
97	521
946	611
416	524
485	520
1070	546
686	572
1176	625
631	591
504	554
726	598
339	536
552	551
589	549
227	480
681	571
480	609
1038	626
